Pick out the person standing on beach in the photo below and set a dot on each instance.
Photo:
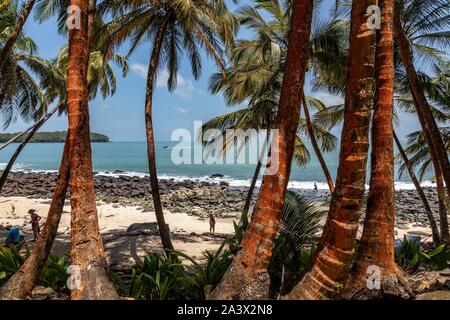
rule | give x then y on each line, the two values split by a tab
315	187
35	218
212	223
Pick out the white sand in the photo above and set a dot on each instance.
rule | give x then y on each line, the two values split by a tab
121	249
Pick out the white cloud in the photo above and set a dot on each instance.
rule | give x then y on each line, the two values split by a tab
139	69
185	88
180	110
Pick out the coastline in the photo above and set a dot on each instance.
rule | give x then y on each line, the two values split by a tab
128	225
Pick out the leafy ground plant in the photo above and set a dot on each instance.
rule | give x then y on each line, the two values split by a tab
54	274
410	255
157	277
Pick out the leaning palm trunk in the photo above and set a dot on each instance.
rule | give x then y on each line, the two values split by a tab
16	137
8	47
87	247
312	138
251	190
22	145
21	284
13	159
443	209
426	205
377	245
164	230
438	151
247	276
336	247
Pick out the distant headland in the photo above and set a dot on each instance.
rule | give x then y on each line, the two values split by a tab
51	137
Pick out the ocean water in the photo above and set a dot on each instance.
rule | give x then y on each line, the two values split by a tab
130	158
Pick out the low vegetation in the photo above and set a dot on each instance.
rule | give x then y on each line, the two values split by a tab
50	137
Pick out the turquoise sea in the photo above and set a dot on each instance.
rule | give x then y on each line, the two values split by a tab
130	158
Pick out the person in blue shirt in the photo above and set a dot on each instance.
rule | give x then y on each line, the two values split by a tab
13	236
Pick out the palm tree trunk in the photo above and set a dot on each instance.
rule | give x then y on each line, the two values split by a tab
336	247
377	245
17	136
438	151
7	48
426	205
247	277
164	230
87	247
443	210
13	159
312	138
22	145
21	284
251	190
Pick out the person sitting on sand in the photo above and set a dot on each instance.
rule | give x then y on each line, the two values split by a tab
212	223
35	218
13	236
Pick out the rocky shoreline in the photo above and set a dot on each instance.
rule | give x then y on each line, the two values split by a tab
195	197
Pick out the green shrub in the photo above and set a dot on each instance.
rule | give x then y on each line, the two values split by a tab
10	262
54	273
157	277
441	261
205	276
411	255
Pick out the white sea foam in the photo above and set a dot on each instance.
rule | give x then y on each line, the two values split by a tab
235	182
16	167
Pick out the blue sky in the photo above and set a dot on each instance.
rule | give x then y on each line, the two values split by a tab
121	117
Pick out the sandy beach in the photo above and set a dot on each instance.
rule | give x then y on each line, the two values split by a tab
129	233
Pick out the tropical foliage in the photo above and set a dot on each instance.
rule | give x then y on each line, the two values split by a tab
277	72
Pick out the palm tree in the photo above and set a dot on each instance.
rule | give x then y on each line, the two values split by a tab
21	284
257	67
173	26
100	77
87	247
377	244
315	145
436	89
20	93
418	24
336	246
15	34
426	205
260	115
420	157
247	276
